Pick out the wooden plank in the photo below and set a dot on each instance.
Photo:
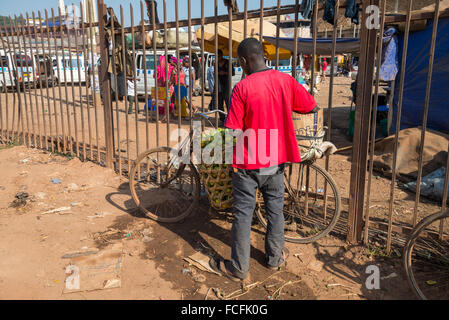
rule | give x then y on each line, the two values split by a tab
105	82
361	130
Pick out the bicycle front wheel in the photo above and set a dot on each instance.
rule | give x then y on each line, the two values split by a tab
426	258
164	189
311	206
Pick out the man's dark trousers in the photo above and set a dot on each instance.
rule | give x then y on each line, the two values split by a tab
270	182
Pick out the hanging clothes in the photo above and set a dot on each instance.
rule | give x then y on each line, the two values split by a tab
329	11
306	8
390	60
119	65
352	11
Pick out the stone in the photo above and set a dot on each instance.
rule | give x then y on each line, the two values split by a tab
316	266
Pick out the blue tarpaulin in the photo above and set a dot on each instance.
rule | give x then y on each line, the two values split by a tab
416	79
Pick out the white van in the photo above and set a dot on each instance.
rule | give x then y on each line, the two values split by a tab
18	68
140	73
210	61
6	72
73	65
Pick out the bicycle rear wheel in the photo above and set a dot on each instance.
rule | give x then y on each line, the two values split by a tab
426	258
164	189
308	215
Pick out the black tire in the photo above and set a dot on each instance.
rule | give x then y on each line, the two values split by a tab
164	193
426	259
301	227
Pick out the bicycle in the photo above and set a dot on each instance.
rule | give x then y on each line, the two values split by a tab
426	258
167	190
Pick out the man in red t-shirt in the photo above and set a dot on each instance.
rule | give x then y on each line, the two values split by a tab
261	111
324	68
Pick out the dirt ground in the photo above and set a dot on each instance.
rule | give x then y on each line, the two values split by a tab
102	214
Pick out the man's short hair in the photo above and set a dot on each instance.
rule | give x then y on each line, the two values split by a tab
250	47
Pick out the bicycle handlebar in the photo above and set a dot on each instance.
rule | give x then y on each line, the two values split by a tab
205	114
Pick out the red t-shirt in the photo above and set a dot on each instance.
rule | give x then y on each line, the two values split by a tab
324	66
262	105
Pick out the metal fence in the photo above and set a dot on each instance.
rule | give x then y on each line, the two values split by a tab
46	102
387	226
65	116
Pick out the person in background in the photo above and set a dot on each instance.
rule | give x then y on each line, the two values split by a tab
211	82
261	106
177	80
131	94
223	83
323	70
164	69
189	72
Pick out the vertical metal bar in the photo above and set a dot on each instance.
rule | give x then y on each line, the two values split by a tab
3	68
75	115
125	76
135	82
191	80
86	75
331	93
245	20
11	55
230	66
445	191
314	36
66	91
331	81
145	80
278	33
94	82
56	136
203	65
83	136
41	31
64	142
53	90
373	124
21	116
398	123
216	63
117	109
167	100
178	70
295	40
54	83
156	92
426	109
261	22
32	83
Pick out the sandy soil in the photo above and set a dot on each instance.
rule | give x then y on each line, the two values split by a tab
103	214
33	243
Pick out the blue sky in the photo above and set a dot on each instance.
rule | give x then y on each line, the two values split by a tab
10	7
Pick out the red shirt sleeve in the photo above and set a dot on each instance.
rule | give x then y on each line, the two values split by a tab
303	102
236	109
